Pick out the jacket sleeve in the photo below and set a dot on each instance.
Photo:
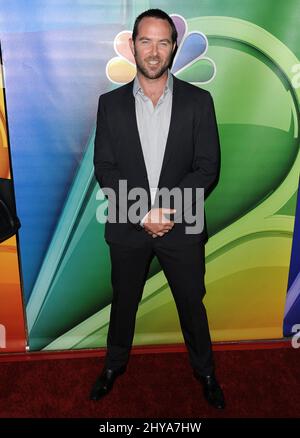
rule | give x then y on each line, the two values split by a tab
206	161
105	166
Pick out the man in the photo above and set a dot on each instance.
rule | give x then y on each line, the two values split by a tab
156	132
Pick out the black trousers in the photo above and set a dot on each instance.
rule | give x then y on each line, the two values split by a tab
184	268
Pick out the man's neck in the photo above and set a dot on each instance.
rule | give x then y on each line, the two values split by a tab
153	87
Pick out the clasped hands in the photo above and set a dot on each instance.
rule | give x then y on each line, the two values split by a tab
156	224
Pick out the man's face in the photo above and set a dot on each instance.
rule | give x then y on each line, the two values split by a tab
153	47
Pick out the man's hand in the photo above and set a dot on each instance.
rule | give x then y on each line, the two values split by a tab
156	224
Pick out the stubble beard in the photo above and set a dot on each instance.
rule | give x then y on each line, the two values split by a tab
148	74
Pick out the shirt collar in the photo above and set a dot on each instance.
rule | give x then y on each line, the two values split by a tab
137	87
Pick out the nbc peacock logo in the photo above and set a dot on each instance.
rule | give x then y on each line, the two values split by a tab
190	62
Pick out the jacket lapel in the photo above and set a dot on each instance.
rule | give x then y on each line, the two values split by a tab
135	143
172	134
137	151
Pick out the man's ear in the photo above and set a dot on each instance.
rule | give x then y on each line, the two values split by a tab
131	45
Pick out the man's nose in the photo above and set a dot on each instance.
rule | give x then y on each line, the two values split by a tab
154	49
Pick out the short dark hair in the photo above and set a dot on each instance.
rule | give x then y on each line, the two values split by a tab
155	13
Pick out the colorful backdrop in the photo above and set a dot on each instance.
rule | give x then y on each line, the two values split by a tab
58	57
12	324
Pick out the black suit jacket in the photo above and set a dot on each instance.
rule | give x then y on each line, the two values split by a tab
191	159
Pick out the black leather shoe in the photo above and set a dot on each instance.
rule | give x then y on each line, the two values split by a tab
105	382
212	390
